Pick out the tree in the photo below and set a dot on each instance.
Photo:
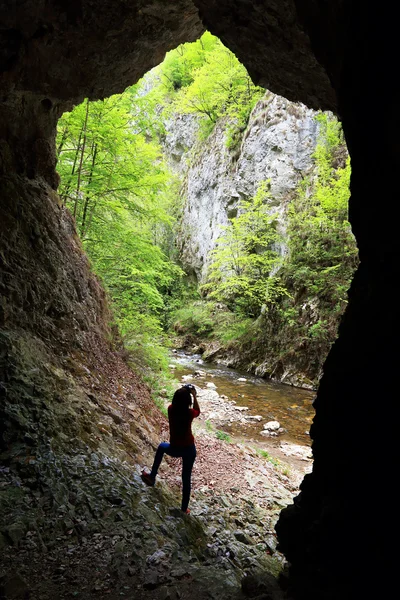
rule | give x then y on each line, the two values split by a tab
322	253
220	87
243	263
104	164
117	186
179	66
206	79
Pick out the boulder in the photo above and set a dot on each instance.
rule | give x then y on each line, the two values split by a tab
272	426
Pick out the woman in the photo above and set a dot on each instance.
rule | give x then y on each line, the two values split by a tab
181	440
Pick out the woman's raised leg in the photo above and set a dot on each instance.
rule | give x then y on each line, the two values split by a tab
161	450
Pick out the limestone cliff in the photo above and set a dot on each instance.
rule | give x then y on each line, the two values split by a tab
277	145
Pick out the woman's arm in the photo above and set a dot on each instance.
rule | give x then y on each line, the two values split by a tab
195	403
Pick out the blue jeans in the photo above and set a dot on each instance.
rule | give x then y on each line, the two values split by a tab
188	455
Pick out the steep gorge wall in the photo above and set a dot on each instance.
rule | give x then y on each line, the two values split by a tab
277	145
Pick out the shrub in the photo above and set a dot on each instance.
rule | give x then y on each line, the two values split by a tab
222	435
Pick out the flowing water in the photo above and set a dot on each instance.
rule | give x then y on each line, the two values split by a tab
291	406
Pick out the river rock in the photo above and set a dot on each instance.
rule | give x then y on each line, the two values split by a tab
209	395
211	385
268	433
302	452
272	426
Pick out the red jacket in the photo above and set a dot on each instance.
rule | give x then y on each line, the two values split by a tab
180	430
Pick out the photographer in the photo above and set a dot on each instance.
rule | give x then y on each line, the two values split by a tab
181	440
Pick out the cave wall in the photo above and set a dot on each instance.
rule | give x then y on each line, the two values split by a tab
325	54
60	360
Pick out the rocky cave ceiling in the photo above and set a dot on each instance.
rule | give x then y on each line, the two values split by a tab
71	49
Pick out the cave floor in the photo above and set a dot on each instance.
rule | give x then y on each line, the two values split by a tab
135	543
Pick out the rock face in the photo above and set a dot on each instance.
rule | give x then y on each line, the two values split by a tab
281	63
180	138
55	53
277	145
40	76
41	43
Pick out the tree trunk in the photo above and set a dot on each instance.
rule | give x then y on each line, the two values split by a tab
64	195
87	199
62	142
78	185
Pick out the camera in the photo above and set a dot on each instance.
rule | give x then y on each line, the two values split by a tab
189	386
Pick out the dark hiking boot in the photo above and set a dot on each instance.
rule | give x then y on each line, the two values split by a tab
147	478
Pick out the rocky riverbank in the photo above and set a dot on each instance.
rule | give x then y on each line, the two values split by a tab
218	411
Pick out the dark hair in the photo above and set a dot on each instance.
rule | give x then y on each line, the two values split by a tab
182	399
181	402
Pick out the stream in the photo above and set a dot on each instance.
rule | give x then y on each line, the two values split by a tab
291	406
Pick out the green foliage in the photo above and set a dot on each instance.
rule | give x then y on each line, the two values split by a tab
240	274
115	183
123	197
206	79
163	387
223	436
104	165
232	329
178	68
221	86
196	319
319	331
322	251
182	293
125	202
274	308
264	454
145	343
205	319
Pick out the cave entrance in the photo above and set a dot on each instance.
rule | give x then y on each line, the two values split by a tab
110	157
287	265
53	315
